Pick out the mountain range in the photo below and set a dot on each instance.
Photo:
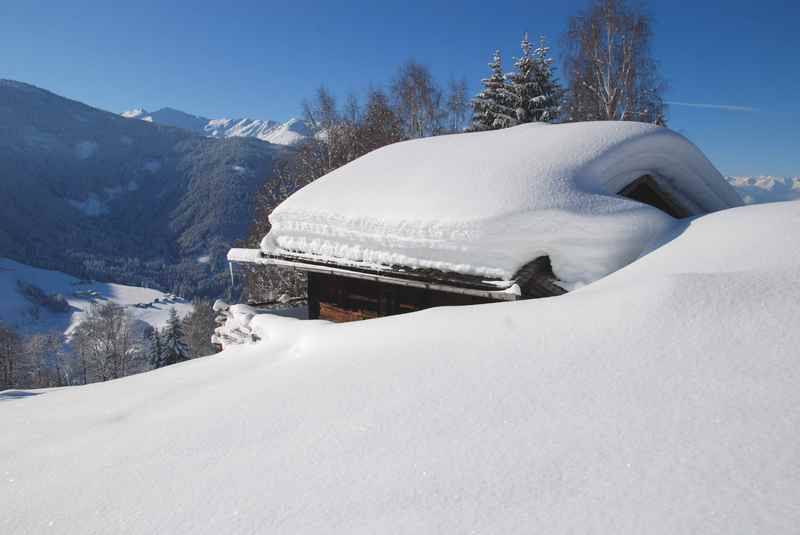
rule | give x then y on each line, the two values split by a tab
760	189
90	193
286	133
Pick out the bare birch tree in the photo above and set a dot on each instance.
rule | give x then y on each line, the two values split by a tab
417	100
43	361
611	73
105	343
380	124
457	105
321	112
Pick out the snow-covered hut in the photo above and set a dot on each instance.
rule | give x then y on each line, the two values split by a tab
530	211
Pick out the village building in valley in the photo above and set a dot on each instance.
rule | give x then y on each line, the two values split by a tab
531	211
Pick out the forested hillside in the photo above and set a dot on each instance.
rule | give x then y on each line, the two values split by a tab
97	195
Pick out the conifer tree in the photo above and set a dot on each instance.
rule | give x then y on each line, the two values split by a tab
173	347
534	91
522	83
198	328
155	355
547	102
492	107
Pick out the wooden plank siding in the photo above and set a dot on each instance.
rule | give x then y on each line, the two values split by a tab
340	299
330	312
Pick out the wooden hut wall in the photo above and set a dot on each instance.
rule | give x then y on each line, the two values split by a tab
341	299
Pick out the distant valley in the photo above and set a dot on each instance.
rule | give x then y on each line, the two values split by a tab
100	196
26	316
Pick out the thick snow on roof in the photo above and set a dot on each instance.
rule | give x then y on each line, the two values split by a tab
661	400
487	203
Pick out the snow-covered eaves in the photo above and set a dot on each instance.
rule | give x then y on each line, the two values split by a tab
446	282
485	204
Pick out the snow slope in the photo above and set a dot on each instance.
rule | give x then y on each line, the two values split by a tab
661	400
287	133
16	310
488	203
760	189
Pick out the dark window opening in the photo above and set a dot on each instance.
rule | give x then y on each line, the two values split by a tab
536	279
645	190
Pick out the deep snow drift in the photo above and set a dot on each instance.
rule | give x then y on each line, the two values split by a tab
488	203
663	399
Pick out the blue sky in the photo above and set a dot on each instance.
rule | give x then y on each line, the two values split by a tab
260	58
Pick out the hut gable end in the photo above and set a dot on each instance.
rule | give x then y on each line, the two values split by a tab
646	190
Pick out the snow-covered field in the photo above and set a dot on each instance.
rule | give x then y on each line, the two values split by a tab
20	313
661	399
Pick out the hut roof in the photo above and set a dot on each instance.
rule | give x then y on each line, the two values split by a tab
486	204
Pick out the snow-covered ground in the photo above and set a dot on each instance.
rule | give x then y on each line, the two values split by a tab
286	133
20	313
662	399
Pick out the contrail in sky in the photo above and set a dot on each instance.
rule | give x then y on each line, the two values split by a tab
726	107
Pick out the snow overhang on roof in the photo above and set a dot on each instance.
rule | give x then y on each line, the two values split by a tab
485	204
445	282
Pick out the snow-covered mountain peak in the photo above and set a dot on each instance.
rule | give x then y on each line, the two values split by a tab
765	188
135	113
287	133
178	118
